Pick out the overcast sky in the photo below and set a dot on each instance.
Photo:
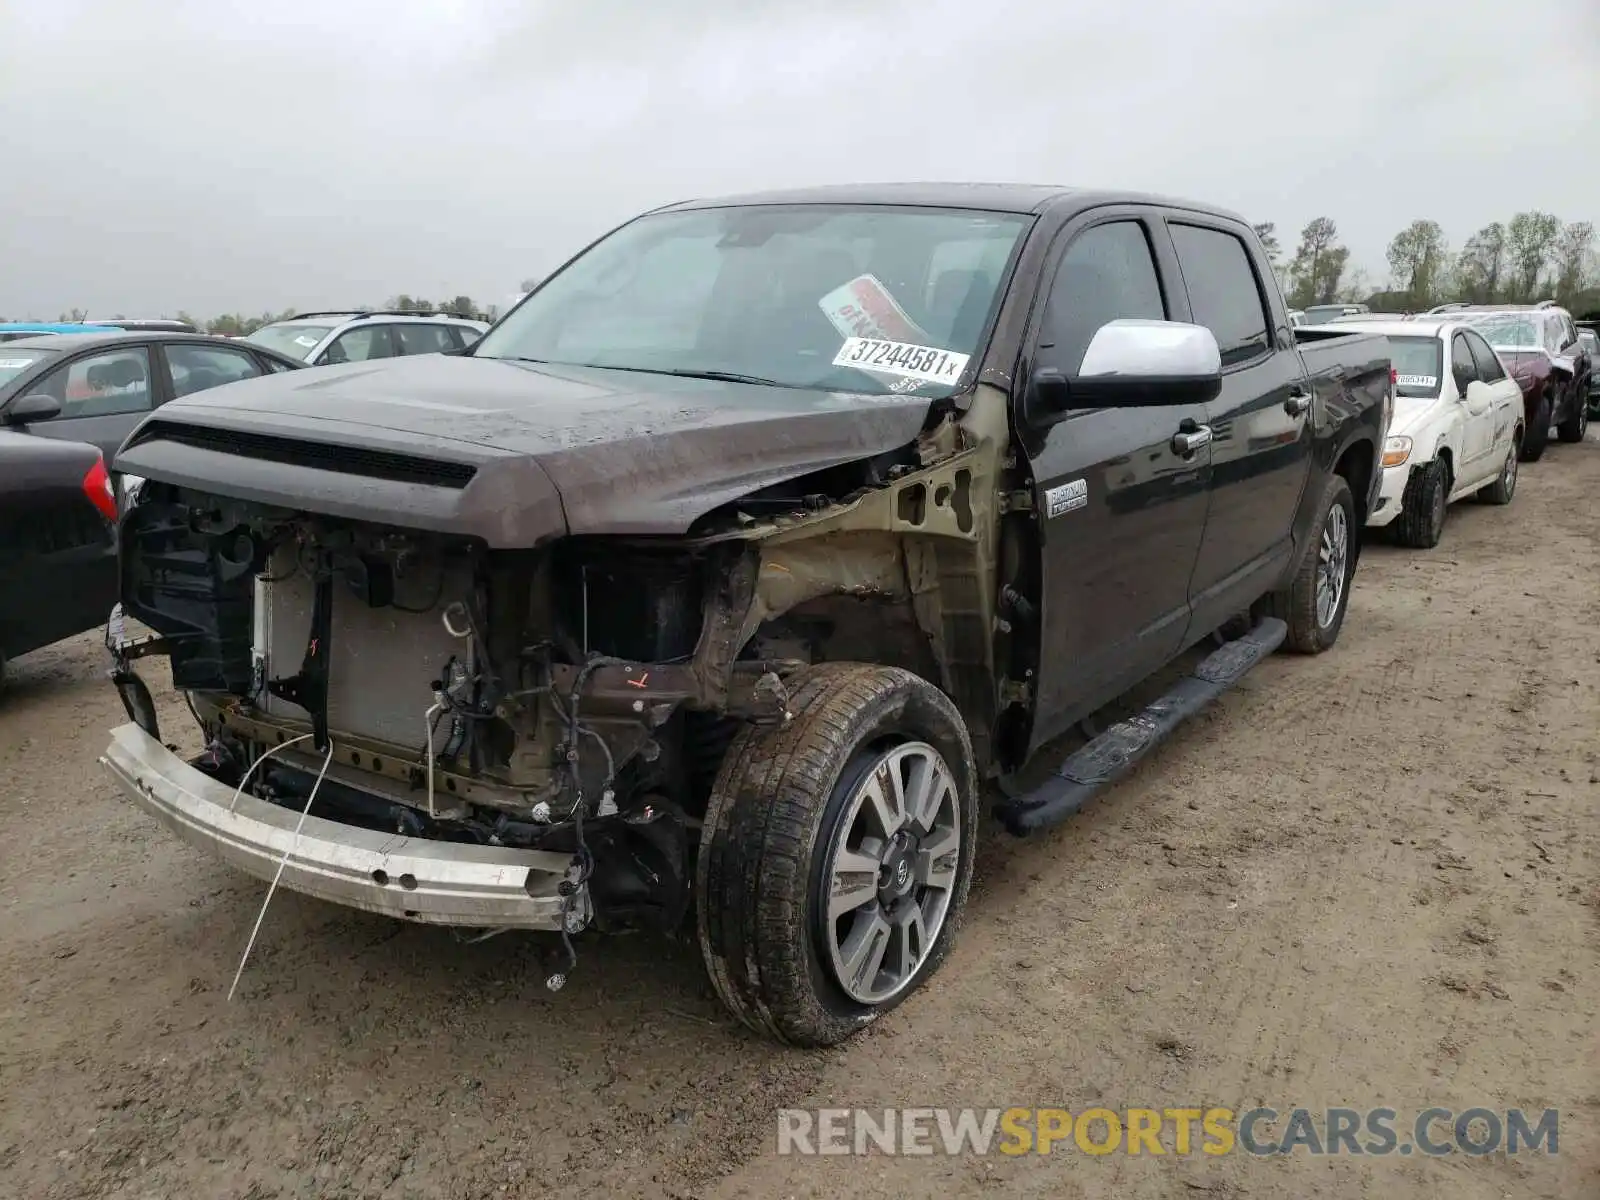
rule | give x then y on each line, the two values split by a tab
223	155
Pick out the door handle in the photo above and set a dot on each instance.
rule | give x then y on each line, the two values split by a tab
1187	441
1297	404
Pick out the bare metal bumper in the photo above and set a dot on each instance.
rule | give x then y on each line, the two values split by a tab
440	883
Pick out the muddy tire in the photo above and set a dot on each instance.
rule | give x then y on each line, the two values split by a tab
1423	507
814	917
1577	422
1538	435
1505	483
1314	603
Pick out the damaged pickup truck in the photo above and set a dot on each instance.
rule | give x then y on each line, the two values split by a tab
717	579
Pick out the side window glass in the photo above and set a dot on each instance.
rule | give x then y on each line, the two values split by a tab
1461	364
1107	273
360	344
1489	368
423	339
274	366
196	368
102	385
1224	294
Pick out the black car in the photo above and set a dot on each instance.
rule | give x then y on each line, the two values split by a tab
58	554
1589	339
95	387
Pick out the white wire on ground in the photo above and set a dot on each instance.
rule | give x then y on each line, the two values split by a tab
282	862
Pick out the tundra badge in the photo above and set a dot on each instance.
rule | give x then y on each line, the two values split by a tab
1065	497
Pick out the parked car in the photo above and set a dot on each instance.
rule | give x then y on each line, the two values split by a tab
1589	339
341	337
58	553
1457	431
96	387
11	331
723	569
1318	314
1539	346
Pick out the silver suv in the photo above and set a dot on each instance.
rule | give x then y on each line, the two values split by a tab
321	338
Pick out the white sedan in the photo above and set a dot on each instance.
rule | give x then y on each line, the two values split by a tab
1458	425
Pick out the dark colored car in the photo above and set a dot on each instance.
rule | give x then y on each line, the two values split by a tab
718	574
1541	350
1589	338
96	387
58	551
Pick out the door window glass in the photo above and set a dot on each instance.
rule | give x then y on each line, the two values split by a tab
1106	274
1224	293
101	385
1489	368
197	368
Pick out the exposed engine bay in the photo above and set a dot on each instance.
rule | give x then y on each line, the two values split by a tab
577	697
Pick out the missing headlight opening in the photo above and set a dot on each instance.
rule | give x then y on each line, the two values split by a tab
574	699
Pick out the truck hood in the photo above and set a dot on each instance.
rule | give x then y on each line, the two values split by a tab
514	453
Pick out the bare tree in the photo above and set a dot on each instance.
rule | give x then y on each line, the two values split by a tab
1481	269
1318	264
1418	256
1573	254
1530	241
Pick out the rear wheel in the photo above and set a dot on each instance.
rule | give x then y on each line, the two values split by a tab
1577	422
1422	507
836	854
1533	442
1314	603
1505	483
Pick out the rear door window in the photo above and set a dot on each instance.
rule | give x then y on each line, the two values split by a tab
1224	293
198	368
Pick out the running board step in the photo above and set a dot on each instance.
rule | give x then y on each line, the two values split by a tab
1111	755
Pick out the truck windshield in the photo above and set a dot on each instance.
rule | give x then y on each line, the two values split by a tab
1418	365
872	299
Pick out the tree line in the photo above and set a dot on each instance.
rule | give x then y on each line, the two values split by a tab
1533	256
240	324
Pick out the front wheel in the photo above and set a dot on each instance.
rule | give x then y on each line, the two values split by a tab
1314	603
1422	507
836	854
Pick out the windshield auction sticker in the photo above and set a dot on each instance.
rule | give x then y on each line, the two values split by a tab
864	308
905	360
1419	381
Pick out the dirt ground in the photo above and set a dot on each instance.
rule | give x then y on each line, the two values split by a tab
1370	878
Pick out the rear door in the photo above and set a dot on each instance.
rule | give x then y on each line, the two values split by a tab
1260	422
1121	511
103	395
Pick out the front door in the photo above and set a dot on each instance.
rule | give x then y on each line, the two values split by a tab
1260	422
1505	402
1477	410
1121	509
103	396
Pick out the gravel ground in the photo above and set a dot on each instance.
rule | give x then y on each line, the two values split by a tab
1370	878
